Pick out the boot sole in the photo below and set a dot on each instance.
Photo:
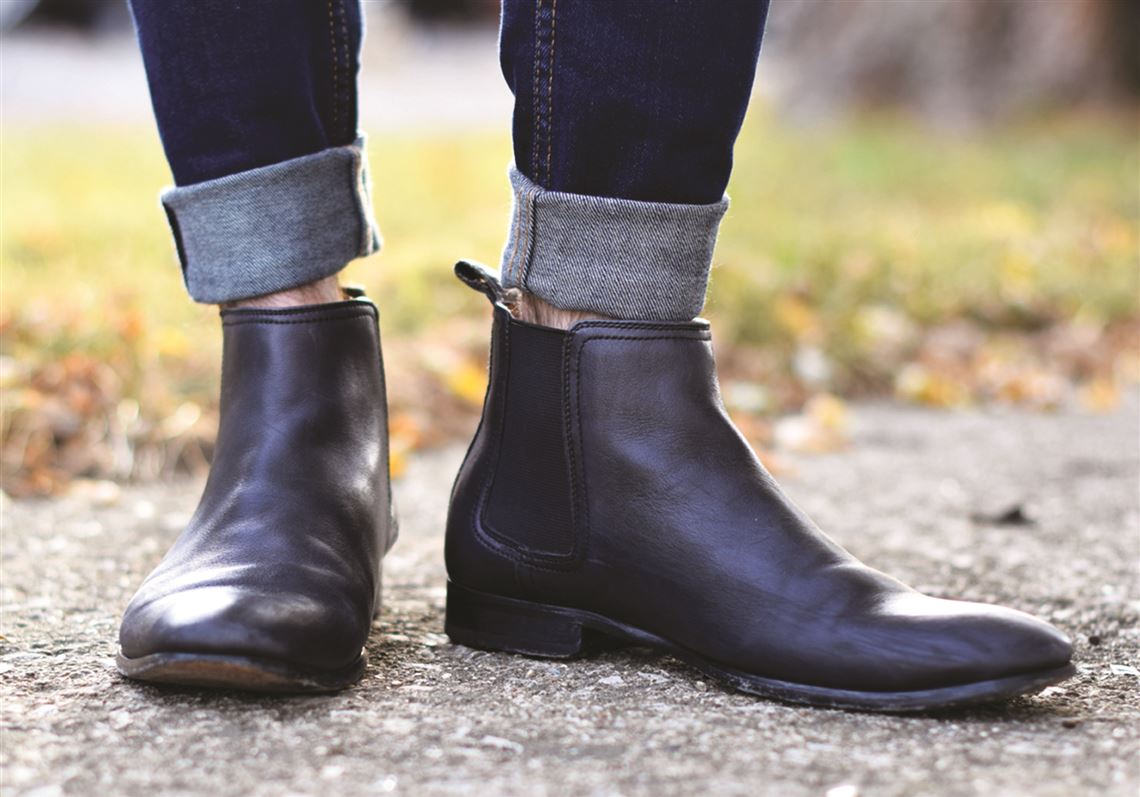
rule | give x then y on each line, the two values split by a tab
236	672
490	622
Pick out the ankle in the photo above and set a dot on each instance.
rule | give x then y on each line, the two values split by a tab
528	307
320	292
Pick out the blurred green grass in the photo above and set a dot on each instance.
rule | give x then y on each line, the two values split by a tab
847	251
1022	225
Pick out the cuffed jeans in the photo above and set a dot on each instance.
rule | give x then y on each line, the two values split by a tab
625	116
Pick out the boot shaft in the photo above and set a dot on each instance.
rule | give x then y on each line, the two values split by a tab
520	509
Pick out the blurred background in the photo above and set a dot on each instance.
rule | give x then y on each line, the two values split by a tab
934	201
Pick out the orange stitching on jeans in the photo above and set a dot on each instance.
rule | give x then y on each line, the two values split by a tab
335	71
536	109
550	89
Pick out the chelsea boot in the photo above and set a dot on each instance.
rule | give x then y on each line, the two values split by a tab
607	497
274	583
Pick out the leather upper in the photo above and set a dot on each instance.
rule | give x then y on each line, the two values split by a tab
679	530
281	560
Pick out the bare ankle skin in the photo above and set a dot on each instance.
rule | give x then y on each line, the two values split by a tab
529	308
319	292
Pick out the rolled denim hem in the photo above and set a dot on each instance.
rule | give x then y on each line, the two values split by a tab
616	257
273	228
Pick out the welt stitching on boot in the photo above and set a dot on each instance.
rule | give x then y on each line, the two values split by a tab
644	517
275	580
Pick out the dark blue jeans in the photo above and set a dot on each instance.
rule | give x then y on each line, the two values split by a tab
638	101
239	85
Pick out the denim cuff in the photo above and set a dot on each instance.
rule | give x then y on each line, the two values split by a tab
273	228
615	257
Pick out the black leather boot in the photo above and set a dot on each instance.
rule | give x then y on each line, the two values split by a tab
274	583
607	496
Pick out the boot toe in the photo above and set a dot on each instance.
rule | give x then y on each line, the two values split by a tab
290	628
961	642
1034	645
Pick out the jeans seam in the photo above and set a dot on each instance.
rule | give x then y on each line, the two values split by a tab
543	68
179	246
347	66
550	89
518	264
510	267
335	69
535	107
369	236
530	232
531	198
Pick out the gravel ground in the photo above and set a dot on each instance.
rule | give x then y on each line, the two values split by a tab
920	494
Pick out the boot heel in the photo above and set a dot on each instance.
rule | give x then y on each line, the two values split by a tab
489	622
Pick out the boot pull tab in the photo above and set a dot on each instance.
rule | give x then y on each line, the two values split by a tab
482	279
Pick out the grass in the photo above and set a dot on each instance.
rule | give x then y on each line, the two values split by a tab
1037	221
849	257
